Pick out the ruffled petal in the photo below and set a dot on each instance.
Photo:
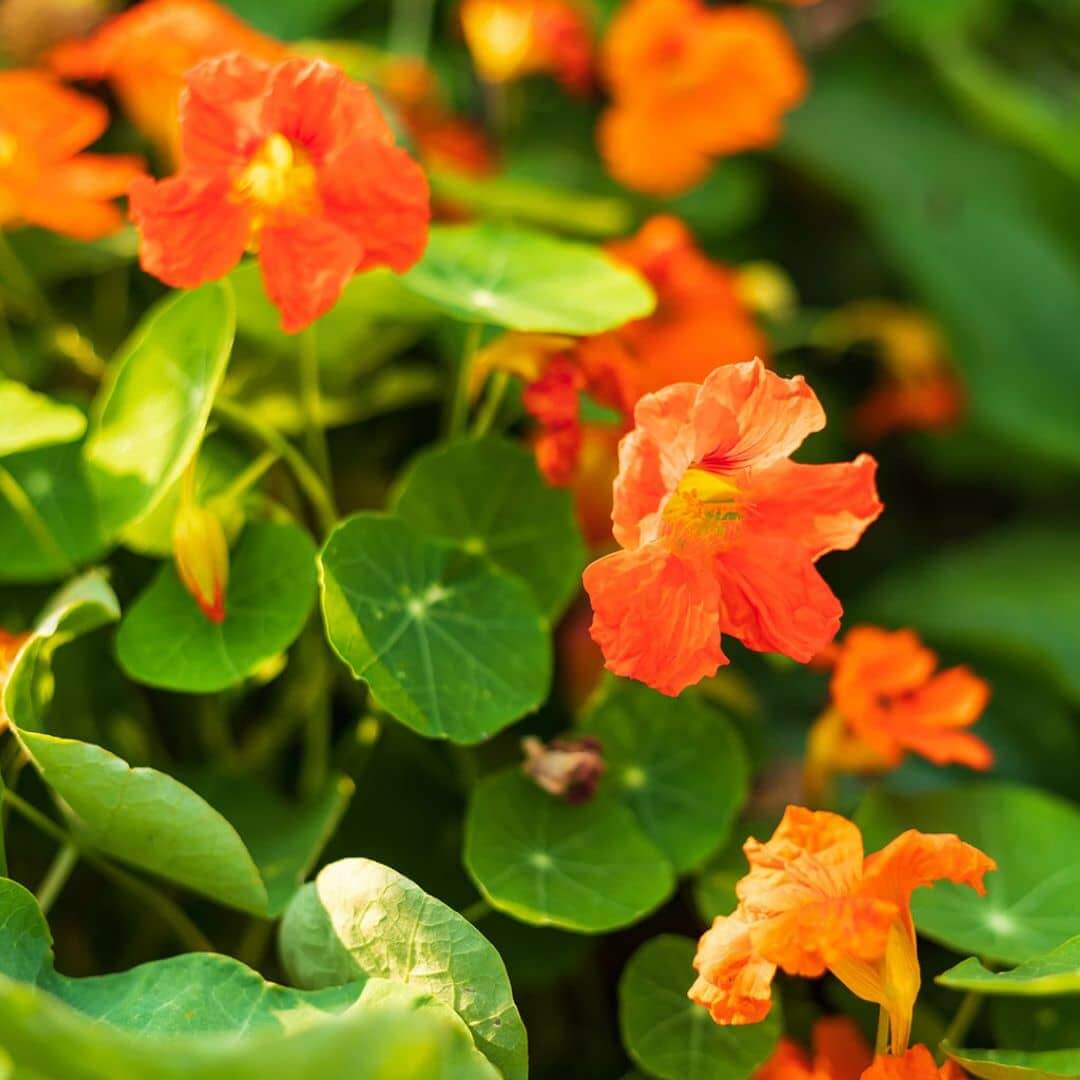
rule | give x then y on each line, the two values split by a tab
190	231
304	268
822	508
917	1064
655	618
774	600
734	983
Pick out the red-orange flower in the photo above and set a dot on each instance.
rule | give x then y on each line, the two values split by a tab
812	903
888	700
917	1064
839	1053
294	161
720	530
10	644
689	83
145	52
509	39
44	179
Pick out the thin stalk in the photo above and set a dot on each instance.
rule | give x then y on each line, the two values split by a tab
476	910
315	764
410	27
248	478
311	484
311	404
459	407
500	381
964	1018
881	1044
169	911
56	877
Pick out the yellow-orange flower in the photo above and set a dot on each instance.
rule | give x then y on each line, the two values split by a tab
811	902
917	1064
44	179
690	83
144	52
839	1053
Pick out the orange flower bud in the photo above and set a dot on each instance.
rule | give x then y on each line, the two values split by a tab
567	768
202	558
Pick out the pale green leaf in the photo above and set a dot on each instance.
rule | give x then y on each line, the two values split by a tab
1058	972
31	420
1018	1064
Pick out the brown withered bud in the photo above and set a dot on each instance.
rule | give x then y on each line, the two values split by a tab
569	769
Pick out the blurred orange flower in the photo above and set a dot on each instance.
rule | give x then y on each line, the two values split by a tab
811	902
690	83
840	1053
294	161
720	530
44	180
917	1064
887	700
10	644
509	39
145	51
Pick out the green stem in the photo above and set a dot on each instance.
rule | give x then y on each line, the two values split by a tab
315	765
459	407
34	522
500	382
476	910
881	1043
311	404
56	877
169	912
964	1018
316	492
410	27
247	479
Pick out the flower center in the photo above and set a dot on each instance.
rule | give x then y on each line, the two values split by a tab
702	514
278	179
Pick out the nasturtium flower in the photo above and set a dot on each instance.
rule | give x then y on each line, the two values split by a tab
839	1053
811	902
720	531
689	83
917	1064
889	700
44	179
144	52
293	161
10	644
509	39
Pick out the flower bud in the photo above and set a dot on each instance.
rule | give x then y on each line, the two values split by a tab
202	557
567	768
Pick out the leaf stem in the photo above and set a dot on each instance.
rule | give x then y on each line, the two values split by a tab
56	877
964	1017
309	481
459	406
22	504
477	910
311	405
410	27
492	402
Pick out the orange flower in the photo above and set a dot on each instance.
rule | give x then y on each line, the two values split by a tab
812	903
44	180
887	701
10	644
295	162
509	39
721	531
840	1053
917	1064
144	53
689	83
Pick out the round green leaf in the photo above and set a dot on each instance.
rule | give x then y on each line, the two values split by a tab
488	496
677	763
49	521
1018	1064
359	919
1030	903
588	868
450	645
151	414
669	1036
165	640
524	280
1058	972
32	420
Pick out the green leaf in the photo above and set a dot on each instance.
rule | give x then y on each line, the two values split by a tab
152	412
507	276
449	645
677	763
964	220
166	641
1018	1064
1030	902
32	420
588	868
1015	591
49	521
1058	972
291	19
927	20
488	496
359	919
51	257
669	1036
1050	1023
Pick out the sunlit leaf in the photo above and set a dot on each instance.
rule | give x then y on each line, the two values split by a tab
1018	1064
1058	972
31	420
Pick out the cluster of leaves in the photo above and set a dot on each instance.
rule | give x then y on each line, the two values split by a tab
359	708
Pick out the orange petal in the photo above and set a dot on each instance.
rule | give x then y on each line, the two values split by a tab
643	152
840	1051
788	1062
951	699
917	1064
304	268
655	617
774	600
823	508
734	983
189	230
50	120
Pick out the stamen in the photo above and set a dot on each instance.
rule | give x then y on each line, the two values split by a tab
279	179
703	513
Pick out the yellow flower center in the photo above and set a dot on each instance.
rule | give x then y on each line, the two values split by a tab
8	148
279	179
703	513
